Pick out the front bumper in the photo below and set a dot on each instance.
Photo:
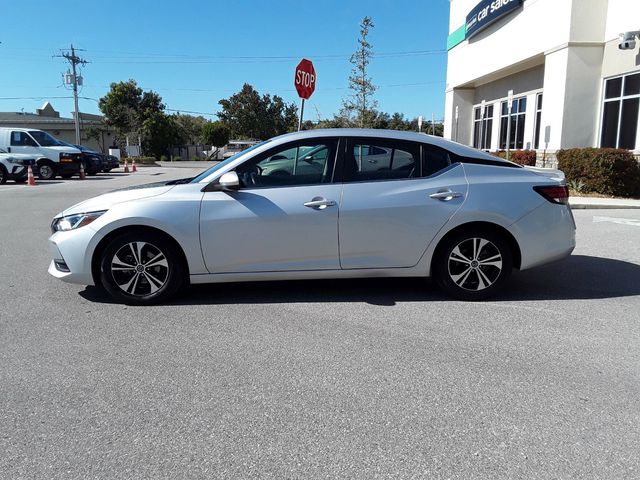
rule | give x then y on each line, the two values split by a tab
18	172
73	250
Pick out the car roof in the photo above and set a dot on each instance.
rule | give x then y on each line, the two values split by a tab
454	147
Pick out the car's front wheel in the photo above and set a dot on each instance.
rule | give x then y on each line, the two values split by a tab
141	268
46	171
473	265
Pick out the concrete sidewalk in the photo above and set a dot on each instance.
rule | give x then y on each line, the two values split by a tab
202	164
602	203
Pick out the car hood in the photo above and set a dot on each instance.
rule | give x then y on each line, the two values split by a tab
63	149
107	200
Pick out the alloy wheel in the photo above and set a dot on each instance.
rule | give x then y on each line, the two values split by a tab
139	268
475	264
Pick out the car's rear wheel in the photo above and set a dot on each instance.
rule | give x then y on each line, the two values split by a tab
473	265
141	268
3	175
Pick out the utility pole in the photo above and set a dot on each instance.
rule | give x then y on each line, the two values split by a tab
74	60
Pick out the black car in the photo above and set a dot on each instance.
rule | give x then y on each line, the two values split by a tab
92	160
109	162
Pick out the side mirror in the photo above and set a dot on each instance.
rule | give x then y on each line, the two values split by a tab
227	182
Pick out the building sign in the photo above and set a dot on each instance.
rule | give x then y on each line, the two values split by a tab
487	12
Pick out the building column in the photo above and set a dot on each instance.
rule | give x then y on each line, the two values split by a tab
462	130
572	91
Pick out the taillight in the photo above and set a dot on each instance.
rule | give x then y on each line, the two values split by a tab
555	194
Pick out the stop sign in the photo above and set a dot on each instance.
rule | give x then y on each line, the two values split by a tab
305	78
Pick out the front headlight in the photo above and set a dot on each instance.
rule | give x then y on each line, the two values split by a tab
14	160
72	222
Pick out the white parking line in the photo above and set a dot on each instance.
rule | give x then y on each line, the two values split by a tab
621	221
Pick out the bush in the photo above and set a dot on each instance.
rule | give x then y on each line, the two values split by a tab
607	171
140	160
521	157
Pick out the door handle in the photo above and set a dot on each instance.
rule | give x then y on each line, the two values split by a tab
319	203
445	196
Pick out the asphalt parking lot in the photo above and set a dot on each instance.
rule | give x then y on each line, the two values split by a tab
322	379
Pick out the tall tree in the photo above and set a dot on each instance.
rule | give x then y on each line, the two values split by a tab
191	127
215	134
361	101
247	114
160	132
126	107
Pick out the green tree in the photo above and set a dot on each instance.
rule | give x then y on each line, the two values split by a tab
249	115
160	132
94	133
215	134
361	103
126	107
191	127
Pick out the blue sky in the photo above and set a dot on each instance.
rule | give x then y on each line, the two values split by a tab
195	53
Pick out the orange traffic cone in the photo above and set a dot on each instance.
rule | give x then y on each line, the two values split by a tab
31	180
126	166
133	166
82	174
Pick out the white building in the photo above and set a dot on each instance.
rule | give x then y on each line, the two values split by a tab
572	86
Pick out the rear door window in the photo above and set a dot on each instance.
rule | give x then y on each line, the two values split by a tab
377	159
435	160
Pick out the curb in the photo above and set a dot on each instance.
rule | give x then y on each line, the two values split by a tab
583	206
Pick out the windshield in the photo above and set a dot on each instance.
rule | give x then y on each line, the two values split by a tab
44	139
226	162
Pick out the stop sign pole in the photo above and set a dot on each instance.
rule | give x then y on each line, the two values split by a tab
305	83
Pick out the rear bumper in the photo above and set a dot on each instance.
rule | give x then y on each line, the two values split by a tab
546	234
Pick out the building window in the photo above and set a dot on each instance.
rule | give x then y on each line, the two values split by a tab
518	115
536	136
620	112
482	127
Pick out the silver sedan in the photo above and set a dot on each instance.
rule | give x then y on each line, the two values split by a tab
337	203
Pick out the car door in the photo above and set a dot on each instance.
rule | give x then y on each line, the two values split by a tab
389	216
21	142
281	219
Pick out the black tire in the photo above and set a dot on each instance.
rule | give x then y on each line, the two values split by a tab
473	265
132	282
46	171
3	175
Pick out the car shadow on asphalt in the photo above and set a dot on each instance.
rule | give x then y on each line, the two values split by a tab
578	277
